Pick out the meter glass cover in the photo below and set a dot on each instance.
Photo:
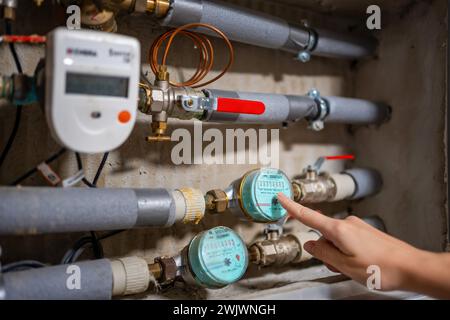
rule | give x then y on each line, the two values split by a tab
259	194
98	85
218	257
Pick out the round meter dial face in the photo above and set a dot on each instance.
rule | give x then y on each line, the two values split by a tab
217	257
259	190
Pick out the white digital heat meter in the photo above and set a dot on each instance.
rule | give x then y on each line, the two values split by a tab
92	82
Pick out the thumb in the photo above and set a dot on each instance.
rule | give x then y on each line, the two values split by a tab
326	252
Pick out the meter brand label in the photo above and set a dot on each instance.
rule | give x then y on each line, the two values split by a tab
81	52
115	53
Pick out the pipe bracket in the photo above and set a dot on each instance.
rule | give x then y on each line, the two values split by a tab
318	123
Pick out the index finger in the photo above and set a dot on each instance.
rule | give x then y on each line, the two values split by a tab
308	217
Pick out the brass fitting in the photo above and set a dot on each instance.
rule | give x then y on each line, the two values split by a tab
159	129
158	7
278	252
126	5
282	251
145	98
156	270
104	20
216	201
9	9
314	188
166	270
163	74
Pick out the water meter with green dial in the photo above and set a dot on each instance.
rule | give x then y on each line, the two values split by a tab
214	258
254	196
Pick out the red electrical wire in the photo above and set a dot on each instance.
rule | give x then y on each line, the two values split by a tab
23	39
343	157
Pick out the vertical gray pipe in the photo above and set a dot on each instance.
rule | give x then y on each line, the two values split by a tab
259	29
50	210
60	282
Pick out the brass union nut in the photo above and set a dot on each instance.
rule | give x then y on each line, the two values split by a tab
216	200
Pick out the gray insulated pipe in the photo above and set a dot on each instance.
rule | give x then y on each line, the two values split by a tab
56	283
52	210
263	30
289	108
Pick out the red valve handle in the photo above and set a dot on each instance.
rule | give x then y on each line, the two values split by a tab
23	39
343	157
228	105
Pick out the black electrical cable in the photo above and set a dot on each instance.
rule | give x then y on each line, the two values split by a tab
96	246
74	253
22	265
94	240
100	168
80	167
18	118
34	170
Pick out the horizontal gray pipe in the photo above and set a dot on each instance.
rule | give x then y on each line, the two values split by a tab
263	30
288	108
355	111
52	210
368	182
58	282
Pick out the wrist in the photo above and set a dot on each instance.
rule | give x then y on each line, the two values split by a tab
412	269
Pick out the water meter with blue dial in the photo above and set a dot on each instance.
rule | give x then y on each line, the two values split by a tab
215	258
254	196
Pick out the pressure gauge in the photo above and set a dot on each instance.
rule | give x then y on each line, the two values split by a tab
254	196
215	258
92	82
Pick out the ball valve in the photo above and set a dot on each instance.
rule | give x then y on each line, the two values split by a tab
314	186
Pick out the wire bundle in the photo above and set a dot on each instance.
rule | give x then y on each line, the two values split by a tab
201	42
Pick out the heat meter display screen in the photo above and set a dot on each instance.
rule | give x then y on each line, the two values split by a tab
96	85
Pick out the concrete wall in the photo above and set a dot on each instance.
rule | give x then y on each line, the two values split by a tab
410	151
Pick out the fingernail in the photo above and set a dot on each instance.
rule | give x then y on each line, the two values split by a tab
309	246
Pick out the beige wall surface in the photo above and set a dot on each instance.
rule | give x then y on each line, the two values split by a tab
409	74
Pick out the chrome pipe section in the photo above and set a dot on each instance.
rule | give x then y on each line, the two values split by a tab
52	210
291	108
263	30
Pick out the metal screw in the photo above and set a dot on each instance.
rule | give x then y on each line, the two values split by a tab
314	93
304	56
189	103
317	126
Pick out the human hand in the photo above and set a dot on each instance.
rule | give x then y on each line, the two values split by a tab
351	246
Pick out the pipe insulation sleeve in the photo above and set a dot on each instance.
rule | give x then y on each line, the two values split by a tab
278	108
238	23
368	182
291	108
51	210
302	238
355	111
256	28
60	282
345	186
332	44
